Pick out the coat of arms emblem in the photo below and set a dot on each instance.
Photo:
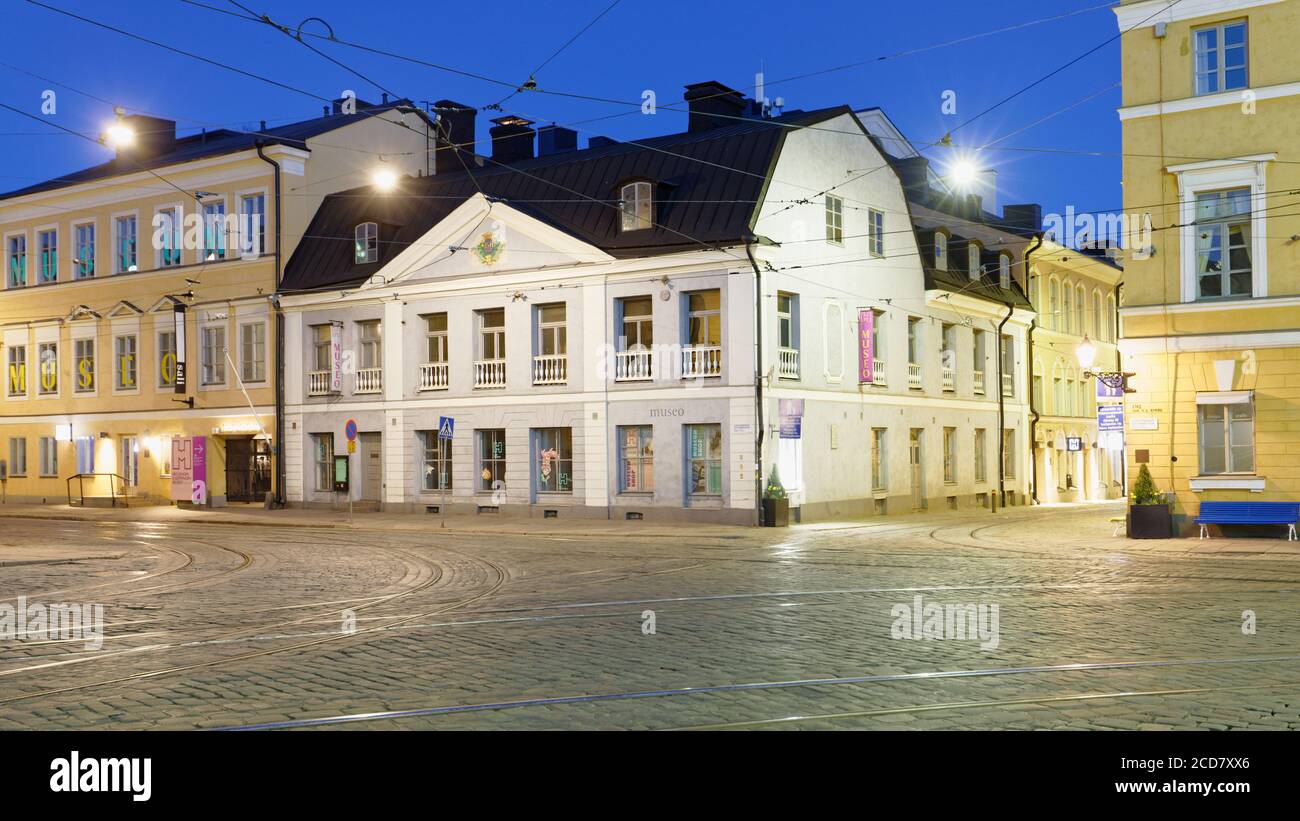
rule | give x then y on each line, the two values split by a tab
489	249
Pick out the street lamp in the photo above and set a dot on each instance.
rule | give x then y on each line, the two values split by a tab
1087	355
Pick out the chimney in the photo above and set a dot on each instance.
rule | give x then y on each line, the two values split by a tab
555	139
512	139
600	142
914	173
713	105
455	134
1027	217
153	136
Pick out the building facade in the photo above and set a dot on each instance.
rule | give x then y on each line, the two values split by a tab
1211	314
652	329
137	306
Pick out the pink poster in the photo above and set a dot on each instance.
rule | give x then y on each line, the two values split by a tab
190	469
866	353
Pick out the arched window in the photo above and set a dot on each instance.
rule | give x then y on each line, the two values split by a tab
1067	309
1053	304
637	206
1058	389
1096	315
1080	305
1110	318
1071	393
367	242
940	251
1004	271
973	267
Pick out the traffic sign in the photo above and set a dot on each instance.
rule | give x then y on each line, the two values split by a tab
352	446
350	429
1110	417
446	427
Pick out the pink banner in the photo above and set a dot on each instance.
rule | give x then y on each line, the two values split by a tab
866	352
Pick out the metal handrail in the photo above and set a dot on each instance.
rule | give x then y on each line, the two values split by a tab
112	488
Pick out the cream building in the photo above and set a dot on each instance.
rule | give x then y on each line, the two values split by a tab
1211	314
155	268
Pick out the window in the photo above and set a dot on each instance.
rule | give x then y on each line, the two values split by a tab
164	456
973	267
322	346
1067	311
1053	305
252	352
124	239
167	235
914	341
212	356
834	219
878	337
492	334
704	322
17	256
1223	244
1227	438
1110	318
84	265
1096	315
367	242
47	243
876	232
17	456
17	370
940	251
323	451
85	446
435	335
552	336
879	463
785	320
124	364
636	470
1080	306
166	359
47	354
554	466
638	324
435	462
1221	58
128	460
1004	271
981	356
981	457
704	460
637	206
1008	454
950	456
1038	388
1008	365
49	448
83	359
491	459
252	222
1059	407
370	344
214	230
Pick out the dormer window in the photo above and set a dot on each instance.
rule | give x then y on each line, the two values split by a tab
367	242
940	251
637	206
1004	271
973	266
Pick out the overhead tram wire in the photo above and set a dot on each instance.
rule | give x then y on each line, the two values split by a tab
531	83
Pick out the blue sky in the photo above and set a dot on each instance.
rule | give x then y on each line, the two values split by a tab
637	45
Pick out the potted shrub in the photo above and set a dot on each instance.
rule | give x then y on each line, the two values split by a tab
1148	513
776	502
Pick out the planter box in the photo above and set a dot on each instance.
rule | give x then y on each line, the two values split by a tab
776	513
1149	522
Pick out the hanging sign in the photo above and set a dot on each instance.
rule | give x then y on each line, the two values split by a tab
866	349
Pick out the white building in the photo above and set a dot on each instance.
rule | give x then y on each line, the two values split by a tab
632	329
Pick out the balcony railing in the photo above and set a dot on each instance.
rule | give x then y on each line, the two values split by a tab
369	380
701	360
319	383
878	372
550	369
433	376
634	366
490	373
949	379
914	375
978	379
1008	387
787	363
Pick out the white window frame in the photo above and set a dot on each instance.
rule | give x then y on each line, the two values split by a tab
41	391
1004	271
1220	49
114	223
974	266
437	346
219	363
38	270
160	352
263	233
258	361
834	207
177	212
940	251
636	202
79	337
876	232
1226	402
17	456
48	447
74	258
1203	177
118	373
365	247
9	364
225	248
27	258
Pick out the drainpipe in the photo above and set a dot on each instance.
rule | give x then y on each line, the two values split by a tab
1002	401
1119	368
760	428
281	472
1033	411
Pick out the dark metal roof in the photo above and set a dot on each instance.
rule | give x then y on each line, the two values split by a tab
706	190
214	143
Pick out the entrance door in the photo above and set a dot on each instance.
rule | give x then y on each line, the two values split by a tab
918	476
248	469
128	460
372	467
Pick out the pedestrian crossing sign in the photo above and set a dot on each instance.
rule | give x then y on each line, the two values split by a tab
446	427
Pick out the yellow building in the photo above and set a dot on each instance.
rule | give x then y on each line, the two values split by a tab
1075	296
1211	313
175	238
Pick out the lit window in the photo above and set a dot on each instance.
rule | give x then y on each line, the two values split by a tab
636	459
124	237
124	365
48	244
492	459
367	242
83	359
167	233
435	462
47	354
214	230
704	460
1221	58
554	465
17	370
84	264
17	257
637	206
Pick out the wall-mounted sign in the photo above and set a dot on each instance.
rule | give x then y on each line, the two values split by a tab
336	357
791	418
1073	444
1105	393
1110	417
1144	423
178	315
658	412
866	350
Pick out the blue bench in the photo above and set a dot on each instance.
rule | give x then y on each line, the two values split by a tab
1250	513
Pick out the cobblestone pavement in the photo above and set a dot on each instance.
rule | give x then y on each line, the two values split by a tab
218	625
